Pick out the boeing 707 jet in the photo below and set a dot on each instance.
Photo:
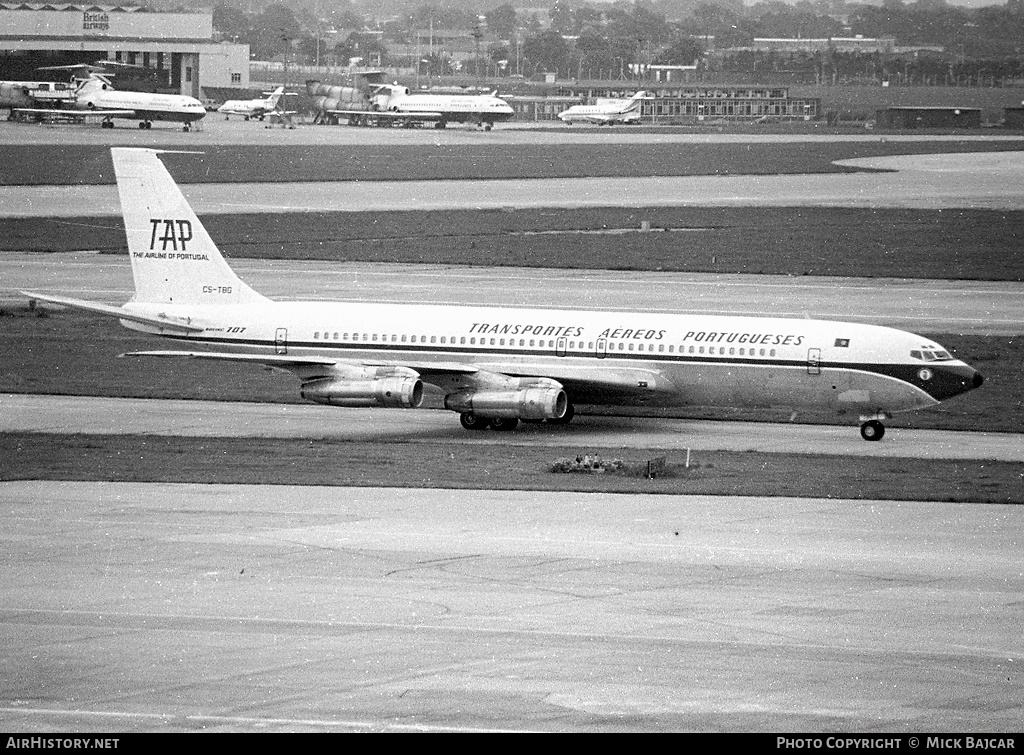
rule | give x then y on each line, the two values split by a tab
495	366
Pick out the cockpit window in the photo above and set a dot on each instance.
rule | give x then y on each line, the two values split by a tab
931	355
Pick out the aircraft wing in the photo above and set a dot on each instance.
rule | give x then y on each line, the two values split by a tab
388	115
584	384
54	111
301	363
172	324
75	112
109	113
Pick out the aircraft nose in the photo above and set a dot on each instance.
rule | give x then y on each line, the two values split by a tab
943	382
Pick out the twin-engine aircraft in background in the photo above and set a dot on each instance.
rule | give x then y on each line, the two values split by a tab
257	108
605	112
394	105
497	366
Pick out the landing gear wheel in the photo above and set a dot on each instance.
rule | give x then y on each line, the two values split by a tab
565	419
872	430
504	424
473	422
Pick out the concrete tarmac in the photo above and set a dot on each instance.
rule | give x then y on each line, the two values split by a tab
215	130
119	416
976	181
133	607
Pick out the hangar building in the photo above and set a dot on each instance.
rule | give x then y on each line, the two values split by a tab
178	49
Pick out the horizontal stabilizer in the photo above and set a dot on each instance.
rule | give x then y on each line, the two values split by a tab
160	321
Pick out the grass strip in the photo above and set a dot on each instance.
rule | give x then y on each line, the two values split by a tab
394	463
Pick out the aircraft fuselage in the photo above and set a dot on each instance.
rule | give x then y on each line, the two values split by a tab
623	359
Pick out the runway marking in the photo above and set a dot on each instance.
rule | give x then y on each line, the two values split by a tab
251	721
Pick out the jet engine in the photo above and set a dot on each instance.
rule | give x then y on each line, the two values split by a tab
392	387
526	403
395	392
327	97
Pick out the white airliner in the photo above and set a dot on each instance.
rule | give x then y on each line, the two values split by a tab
605	112
257	108
97	95
396	105
496	366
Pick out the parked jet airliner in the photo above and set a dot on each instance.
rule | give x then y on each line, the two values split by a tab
257	108
496	366
100	98
392	104
605	112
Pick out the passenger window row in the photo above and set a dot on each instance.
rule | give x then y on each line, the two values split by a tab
543	343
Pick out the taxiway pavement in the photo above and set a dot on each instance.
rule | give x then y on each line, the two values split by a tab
132	607
121	416
926	306
976	180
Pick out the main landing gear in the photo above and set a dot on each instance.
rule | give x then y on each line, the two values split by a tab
475	422
472	421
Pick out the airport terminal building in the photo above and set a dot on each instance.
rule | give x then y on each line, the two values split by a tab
677	104
178	48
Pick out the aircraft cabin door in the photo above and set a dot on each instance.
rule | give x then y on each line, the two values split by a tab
814	361
602	348
561	346
281	341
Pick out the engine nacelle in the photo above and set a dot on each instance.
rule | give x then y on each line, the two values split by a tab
391	392
526	403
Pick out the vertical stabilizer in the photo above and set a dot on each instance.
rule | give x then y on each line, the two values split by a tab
274	98
174	260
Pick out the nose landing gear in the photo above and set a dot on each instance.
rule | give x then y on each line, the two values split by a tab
872	430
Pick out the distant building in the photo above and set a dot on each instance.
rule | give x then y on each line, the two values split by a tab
690	104
1013	117
177	48
836	44
928	117
672	74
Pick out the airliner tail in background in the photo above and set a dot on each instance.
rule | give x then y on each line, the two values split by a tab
498	366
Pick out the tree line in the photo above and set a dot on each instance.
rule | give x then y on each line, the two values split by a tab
620	39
